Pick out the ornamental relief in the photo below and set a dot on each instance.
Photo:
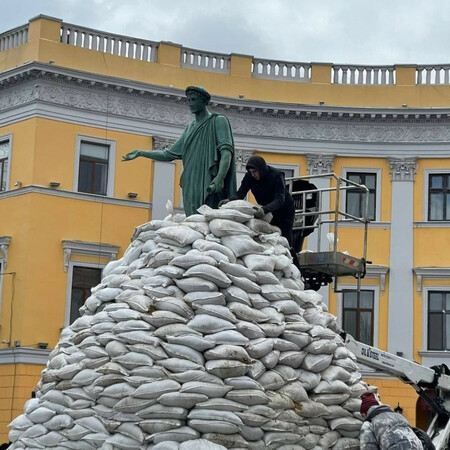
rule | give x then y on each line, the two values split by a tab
172	112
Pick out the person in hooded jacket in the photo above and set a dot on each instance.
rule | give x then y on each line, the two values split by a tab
269	189
385	429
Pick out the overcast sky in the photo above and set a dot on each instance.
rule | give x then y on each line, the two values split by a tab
337	31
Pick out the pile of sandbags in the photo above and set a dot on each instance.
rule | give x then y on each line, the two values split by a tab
201	337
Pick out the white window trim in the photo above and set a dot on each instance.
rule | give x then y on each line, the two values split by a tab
83	248
426	185
377	172
431	357
4	245
293	167
111	161
8	137
376	305
69	284
430	273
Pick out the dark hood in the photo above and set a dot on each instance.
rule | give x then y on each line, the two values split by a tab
257	163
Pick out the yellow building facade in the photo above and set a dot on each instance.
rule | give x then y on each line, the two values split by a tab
74	100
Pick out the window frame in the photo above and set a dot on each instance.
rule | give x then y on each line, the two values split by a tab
111	162
445	313
7	137
294	167
426	194
71	265
376	306
370	171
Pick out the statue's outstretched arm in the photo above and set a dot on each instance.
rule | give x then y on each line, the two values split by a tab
156	155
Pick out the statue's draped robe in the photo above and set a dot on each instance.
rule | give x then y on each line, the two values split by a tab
199	147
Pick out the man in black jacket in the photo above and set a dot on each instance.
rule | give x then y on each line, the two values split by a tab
269	189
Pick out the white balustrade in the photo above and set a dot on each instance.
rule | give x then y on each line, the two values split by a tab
365	75
281	70
113	44
433	74
210	62
14	38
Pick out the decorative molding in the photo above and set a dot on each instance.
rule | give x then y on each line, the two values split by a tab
378	272
104	251
33	189
433	224
131	105
320	164
430	273
24	355
241	157
160	143
4	244
402	169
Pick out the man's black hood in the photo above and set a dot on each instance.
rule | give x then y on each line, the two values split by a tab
257	163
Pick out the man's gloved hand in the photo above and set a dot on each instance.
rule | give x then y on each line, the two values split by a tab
223	202
215	186
259	212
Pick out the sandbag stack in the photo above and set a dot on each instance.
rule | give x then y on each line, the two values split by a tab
201	337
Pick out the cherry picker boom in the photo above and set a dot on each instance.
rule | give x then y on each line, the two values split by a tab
421	378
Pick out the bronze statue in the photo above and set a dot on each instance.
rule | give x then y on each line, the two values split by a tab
206	148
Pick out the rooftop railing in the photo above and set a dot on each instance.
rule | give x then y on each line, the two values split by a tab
14	38
363	75
281	70
210	62
114	44
300	72
433	74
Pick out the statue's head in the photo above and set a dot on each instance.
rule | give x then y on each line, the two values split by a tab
200	91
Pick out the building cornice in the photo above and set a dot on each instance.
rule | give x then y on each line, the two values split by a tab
46	90
23	355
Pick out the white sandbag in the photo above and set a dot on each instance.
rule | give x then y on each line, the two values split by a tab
292	358
196	284
257	348
316	363
175	305
183	351
271	359
224	227
160	318
202	298
206	324
120	441
225	368
259	262
244	312
242	245
178	434
157	280
228	352
332	373
331	399
258	301
286	306
260	226
271	380
321	346
242	206
295	390
265	277
181	234
156	388
192	258
274	292
230	337
210	273
178	365
222	312
249	330
201	227
175	329
311	409
236	294
200	444
237	270
133	359
224	213
182	399
151	426
169	291
213	426
298	338
333	387
206	245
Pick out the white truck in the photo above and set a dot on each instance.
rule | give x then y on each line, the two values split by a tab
421	378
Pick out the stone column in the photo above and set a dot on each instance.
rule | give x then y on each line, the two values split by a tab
400	318
318	165
241	158
163	180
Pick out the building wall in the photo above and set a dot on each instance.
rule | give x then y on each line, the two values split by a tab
52	94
